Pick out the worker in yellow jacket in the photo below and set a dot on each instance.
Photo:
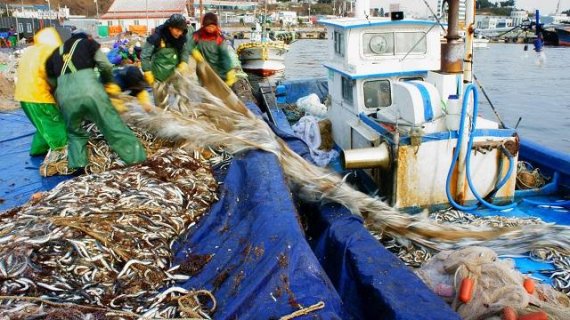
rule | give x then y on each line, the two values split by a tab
35	95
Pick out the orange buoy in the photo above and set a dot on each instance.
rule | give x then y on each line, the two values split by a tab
528	284
539	315
466	290
509	314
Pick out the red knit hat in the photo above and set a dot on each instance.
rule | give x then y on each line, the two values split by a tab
209	18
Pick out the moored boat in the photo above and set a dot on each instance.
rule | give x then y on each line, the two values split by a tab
563	33
263	58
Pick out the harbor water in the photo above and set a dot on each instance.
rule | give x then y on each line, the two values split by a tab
516	81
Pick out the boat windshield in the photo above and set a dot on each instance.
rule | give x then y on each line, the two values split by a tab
377	94
392	43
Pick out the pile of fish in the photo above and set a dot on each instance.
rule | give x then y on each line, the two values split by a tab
100	245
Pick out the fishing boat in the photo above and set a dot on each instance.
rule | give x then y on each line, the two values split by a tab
563	34
399	113
262	55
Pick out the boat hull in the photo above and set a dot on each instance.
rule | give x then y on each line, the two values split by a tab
263	59
563	36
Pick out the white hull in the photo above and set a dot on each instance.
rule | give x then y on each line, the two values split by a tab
264	59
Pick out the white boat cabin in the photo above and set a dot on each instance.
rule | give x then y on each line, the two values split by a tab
386	88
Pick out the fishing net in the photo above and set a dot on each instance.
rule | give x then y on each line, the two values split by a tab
496	285
101	242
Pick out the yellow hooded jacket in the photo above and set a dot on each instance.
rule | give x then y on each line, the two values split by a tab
32	84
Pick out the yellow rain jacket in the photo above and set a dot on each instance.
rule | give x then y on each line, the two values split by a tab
32	84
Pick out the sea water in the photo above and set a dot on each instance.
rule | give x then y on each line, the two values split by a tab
520	84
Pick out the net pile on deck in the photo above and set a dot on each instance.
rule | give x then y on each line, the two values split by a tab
478	285
102	242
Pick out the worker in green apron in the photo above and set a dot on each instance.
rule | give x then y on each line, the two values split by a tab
167	49
35	96
81	96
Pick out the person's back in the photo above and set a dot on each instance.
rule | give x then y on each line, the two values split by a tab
79	71
31	71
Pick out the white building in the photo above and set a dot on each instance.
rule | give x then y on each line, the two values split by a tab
519	16
127	13
493	22
288	17
39	11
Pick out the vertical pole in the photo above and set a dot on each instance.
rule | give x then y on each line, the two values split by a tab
49	12
97	8
469	30
452	51
146	10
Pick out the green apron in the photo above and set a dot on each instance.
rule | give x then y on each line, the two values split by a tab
164	63
49	124
82	97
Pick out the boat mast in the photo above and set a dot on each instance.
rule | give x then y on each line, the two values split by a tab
470	30
452	51
264	20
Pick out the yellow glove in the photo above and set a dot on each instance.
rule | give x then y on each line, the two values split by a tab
182	67
112	89
231	78
144	100
197	56
149	77
119	105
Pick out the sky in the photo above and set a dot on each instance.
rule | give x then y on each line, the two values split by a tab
545	6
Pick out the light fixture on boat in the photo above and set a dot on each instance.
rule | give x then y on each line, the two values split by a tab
366	158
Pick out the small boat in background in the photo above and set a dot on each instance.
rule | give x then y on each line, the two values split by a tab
262	56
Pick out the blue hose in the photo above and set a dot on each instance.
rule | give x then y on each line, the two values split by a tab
456	155
468	89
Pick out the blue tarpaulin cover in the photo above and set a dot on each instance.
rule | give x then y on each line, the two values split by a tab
296	89
262	266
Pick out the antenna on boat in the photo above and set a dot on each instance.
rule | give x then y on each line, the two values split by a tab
435	16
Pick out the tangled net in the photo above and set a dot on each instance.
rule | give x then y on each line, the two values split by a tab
496	285
101	244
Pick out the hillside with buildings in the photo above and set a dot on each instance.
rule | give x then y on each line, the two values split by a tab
77	7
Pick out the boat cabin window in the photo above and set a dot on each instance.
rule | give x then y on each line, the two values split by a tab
377	94
411	79
391	43
347	89
339	43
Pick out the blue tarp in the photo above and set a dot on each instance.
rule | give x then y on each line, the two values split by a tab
295	89
261	266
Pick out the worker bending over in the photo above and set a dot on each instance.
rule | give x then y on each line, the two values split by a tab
81	96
